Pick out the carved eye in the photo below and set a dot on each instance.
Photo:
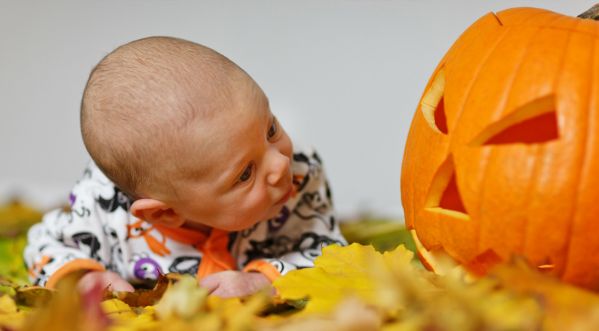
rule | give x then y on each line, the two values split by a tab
532	123
433	103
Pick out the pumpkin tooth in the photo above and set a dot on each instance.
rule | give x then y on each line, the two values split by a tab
546	267
438	261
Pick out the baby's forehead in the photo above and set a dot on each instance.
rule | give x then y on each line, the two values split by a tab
212	144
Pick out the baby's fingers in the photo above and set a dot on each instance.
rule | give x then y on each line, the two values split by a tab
104	280
210	283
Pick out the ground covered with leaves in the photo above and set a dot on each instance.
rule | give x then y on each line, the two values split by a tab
373	284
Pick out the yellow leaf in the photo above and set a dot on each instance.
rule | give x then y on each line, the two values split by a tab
144	320
7	305
184	299
400	296
10	316
350	315
16	217
12	321
566	306
341	272
117	309
202	322
225	305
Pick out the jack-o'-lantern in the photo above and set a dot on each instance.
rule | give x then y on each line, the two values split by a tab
503	152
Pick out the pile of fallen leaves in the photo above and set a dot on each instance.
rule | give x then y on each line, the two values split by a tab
350	288
15	219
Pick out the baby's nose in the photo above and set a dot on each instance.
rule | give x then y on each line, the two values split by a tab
279	169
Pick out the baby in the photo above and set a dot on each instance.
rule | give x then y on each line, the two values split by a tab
192	173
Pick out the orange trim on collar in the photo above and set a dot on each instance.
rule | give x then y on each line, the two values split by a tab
216	256
190	237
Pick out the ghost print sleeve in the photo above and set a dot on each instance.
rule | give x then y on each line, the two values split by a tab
78	238
305	225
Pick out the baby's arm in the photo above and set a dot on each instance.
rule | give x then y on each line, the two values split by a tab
74	240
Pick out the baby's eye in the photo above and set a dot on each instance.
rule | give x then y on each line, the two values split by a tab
274	128
247	173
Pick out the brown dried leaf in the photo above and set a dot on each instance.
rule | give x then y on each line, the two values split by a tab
143	297
33	296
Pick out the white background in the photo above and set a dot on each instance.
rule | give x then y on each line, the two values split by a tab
344	76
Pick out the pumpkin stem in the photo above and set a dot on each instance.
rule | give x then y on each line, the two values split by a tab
592	14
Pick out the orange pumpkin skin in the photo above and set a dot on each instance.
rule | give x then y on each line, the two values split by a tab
503	151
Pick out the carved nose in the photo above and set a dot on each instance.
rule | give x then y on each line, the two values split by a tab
444	194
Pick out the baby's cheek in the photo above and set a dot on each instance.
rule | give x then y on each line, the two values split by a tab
255	207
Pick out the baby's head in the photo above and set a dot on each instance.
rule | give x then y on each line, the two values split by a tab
188	134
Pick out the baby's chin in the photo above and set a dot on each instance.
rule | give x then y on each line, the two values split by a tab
234	225
248	224
242	226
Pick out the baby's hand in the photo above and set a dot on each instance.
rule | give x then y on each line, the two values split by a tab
230	284
105	280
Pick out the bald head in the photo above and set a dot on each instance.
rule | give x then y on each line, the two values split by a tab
140	99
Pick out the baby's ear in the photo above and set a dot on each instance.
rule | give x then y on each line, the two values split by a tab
156	212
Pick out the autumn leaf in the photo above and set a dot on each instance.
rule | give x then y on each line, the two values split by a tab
125	318
565	306
351	314
340	272
352	288
16	217
183	300
382	234
186	306
403	296
10	316
33	296
144	297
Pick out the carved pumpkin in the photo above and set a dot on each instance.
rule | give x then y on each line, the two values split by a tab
502	156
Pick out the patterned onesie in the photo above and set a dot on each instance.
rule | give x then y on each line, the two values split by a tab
99	233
